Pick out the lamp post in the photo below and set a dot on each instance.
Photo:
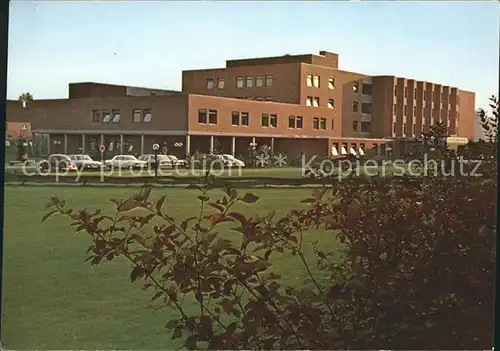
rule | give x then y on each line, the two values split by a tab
156	147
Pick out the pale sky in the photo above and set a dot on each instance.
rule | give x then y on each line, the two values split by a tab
149	43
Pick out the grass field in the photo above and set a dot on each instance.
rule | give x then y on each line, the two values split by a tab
53	300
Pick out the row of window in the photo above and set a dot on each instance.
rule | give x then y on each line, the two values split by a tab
314	81
113	116
105	116
424	128
435	94
366	127
435	112
208	116
259	98
242	82
314	102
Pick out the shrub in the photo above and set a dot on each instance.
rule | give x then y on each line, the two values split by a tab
416	267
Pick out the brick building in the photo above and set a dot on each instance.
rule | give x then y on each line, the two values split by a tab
297	104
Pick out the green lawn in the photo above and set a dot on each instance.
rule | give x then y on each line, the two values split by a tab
53	300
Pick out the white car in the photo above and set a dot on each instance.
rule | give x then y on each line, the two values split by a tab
126	161
166	161
85	162
231	161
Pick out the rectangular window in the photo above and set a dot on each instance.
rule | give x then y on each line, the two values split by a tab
366	108
265	120
309	101
315	123
394	128
210	83
404	128
244	118
333	123
331	83
406	92
309	80
235	118
259	81
395	90
249	82
395	108
316	81
268	98
291	122
316	102
424	112
323	123
240	83
202	116
147	115
269	81
220	83
106	116
274	121
354	126
355	87
366	127
212	116
96	116
299	122
354	106
116	116
415	93
331	103
406	110
367	89
414	129
136	115
414	110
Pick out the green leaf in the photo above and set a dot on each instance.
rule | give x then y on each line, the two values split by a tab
159	203
171	324
249	198
137	272
157	295
219	208
47	215
191	343
127	206
177	333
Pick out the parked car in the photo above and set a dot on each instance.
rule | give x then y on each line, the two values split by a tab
125	161
57	163
166	161
85	162
230	160
178	162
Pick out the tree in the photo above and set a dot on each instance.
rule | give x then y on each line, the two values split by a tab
490	123
25	99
